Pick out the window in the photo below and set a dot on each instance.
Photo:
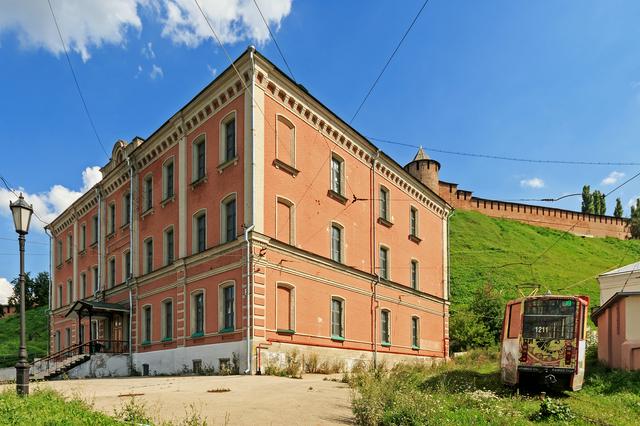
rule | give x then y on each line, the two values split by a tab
168	246
112	218
286	141
229	139
94	229
146	332
148	193
200	232
414	274
197	314
337	168
148	255
67	338
96	280
199	159
229	219
384	203
415	332
336	242
69	291
513	330
83	237
60	301
112	272
59	252
285	311
549	319
167	324
58	345
384	263
167	178
337	318
126	261
83	285
228	307
385	326
69	246
413	222
126	209
285	221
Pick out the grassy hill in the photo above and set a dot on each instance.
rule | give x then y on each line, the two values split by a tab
37	331
496	251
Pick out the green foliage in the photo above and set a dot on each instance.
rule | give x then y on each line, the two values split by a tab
618	211
37	330
45	407
599	203
587	200
634	225
553	410
293	366
466	331
133	413
36	291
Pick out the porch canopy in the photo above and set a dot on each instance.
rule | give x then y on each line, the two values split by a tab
89	308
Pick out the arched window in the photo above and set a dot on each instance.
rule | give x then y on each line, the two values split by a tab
285	141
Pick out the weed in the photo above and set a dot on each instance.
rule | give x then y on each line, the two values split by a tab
132	412
553	410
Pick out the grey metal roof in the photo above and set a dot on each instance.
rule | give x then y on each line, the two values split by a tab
632	267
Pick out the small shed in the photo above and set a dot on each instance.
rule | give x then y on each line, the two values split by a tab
618	318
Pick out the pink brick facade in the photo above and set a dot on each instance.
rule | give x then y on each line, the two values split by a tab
319	270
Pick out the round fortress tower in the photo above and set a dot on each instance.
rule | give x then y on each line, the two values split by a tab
425	170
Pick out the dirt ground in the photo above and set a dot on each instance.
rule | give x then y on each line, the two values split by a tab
251	400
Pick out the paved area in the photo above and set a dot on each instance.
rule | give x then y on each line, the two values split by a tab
257	400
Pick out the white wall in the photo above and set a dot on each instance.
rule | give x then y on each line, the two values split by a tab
633	318
8	373
180	360
101	365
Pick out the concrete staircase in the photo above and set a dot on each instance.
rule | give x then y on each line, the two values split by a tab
58	368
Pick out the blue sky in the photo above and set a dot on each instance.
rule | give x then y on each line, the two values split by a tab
548	80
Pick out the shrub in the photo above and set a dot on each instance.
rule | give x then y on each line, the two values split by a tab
553	410
133	413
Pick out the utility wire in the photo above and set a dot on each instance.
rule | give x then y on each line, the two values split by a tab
273	37
388	61
6	184
506	158
75	80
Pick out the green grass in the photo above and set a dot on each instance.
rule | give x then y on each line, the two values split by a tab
37	331
497	251
48	408
468	391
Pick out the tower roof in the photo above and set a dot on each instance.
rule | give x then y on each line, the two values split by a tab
421	155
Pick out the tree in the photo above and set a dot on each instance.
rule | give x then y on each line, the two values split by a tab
36	291
618	212
587	199
634	223
598	202
480	323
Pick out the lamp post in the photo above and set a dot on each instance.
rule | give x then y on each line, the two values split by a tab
21	212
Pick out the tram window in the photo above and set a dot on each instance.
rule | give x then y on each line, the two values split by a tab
549	319
514	321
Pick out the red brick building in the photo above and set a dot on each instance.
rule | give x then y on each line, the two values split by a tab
252	223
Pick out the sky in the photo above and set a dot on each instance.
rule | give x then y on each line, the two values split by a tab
541	80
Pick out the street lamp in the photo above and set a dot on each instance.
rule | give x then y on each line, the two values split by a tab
22	212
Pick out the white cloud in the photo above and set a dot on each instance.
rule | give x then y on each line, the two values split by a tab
90	24
612	178
156	72
212	70
6	290
532	183
233	20
147	51
84	24
51	203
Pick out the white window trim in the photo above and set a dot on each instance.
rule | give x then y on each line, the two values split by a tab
192	310
111	280
163	318
343	178
144	323
145	253
387	203
194	231
344	316
292	148
388	251
417	233
222	146
343	245
419	331
165	180
417	262
124	265
292	217
389	325
223	216
111	221
292	306
126	209
83	236
148	179
165	244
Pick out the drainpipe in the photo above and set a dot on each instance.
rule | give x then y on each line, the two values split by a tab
248	293
373	258
50	235
128	277
99	244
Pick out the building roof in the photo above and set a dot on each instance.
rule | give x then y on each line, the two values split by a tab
92	307
421	155
630	268
619	295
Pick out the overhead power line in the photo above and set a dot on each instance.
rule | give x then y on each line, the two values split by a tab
388	61
6	185
273	37
506	158
75	80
